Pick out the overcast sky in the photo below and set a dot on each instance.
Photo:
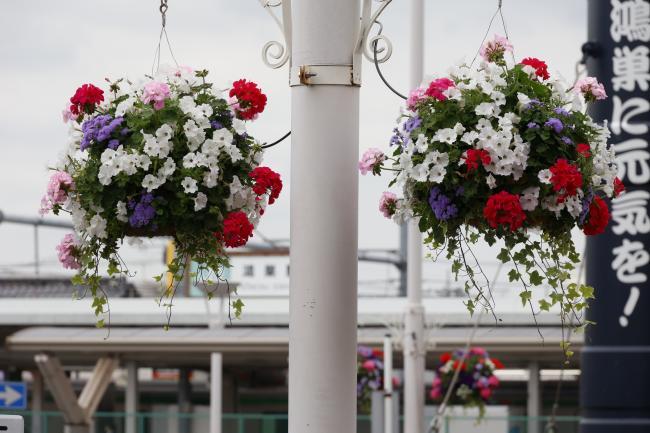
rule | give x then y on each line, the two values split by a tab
49	48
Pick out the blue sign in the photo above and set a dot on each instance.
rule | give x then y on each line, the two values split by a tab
13	395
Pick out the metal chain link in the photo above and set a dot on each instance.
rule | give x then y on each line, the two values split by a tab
163	10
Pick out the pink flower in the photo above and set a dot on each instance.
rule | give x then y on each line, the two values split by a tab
68	115
67	251
486	393
183	69
156	92
435	393
415	96
437	87
369	365
493	381
590	88
371	160
494	50
436	382
478	350
388	204
58	187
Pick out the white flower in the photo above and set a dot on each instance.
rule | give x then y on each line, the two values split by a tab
240	196
168	168
573	204
190	160
469	137
195	135
120	212
498	97
544	176
491	181
234	153
144	162
529	198
486	109
164	133
189	185
211	178
437	174
222	137
97	227
125	106
239	126
532	72
524	100
421	144
187	104
445	135
200	201
151	182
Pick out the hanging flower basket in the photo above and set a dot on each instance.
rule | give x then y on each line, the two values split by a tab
370	376
503	152
166	156
475	382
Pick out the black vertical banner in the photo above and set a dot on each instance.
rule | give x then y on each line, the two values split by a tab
615	381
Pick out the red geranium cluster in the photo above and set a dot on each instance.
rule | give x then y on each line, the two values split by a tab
583	149
619	187
597	218
437	87
266	180
236	230
541	69
85	99
250	99
475	156
565	177
504	208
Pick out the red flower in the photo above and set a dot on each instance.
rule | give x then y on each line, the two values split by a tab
504	208
475	156
541	69
85	99
437	87
377	353
565	177
497	364
583	149
463	366
236	230
445	357
250	99
619	188
597	218
266	180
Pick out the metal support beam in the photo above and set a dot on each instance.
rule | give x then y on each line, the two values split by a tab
388	384
131	397
534	398
184	401
216	389
37	402
77	413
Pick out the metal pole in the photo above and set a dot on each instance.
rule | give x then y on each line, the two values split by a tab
37	401
534	397
36	252
131	397
414	317
216	384
388	384
324	212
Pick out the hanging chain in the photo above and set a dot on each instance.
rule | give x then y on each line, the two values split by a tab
499	12
163	10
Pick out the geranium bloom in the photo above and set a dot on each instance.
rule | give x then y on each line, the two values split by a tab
371	159
67	252
415	96
504	208
250	99
474	157
58	187
619	187
156	92
85	99
541	69
583	149
388	204
565	178
590	88
597	218
236	230
266	180
437	87
494	50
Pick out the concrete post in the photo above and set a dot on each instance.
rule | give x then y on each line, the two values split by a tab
131	398
216	389
534	398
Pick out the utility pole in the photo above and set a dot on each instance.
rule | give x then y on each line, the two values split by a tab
324	209
414	315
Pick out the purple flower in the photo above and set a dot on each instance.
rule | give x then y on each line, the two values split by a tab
555	124
216	124
143	211
411	124
532	103
441	205
113	144
99	129
567	140
561	111
460	191
586	202
396	139
532	125
124	131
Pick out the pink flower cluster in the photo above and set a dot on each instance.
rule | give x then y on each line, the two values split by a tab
156	92
67	252
388	204
58	187
495	49
590	88
371	160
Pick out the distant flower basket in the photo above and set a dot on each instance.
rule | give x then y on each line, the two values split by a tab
502	152
476	381
370	375
168	156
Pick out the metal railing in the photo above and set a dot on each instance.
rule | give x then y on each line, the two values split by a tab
198	422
